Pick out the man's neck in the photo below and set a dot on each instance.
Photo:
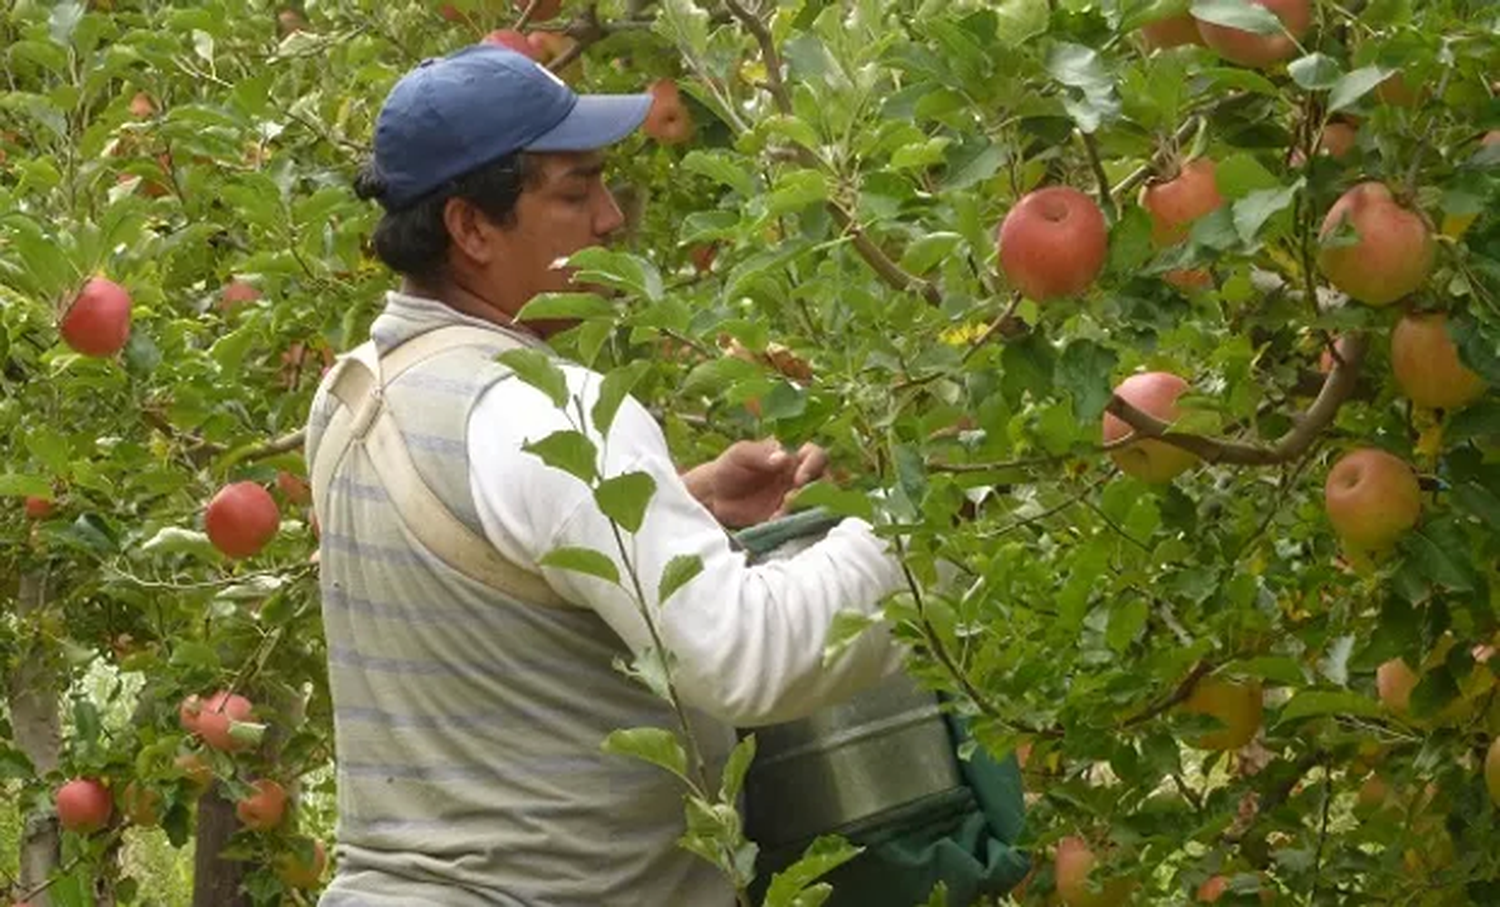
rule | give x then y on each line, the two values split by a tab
463	301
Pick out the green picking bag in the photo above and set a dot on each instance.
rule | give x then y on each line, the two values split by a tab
882	771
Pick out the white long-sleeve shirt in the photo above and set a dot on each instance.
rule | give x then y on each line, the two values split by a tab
748	640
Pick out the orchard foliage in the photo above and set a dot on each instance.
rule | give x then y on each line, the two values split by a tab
811	251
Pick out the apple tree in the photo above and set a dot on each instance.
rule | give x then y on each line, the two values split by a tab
1173	326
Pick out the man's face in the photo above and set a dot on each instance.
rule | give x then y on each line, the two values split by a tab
565	207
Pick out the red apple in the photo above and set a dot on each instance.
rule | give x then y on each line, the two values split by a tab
1239	706
668	121
1373	499
289	22
1053	243
214	720
294	488
1491	138
237	292
1394	681
451	13
38	508
262	810
1394	252
98	321
1150	460
298	874
1336	141
1396	92
1250	49
241	519
1074	862
1213	889
189	711
702	256
141	106
1174	204
84	805
512	39
1173	31
545	9
141	805
1427	366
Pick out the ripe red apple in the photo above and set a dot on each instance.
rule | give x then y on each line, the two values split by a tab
1396	92
84	805
668	121
294	488
1393	255
262	810
218	711
1074	861
241	519
1427	366
141	805
702	256
189	711
1150	460
1394	681
1053	243
142	106
1173	31
451	13
1336	141
289	22
98	321
1260	51
295	873
1213	889
235	293
1239	706
1175	203
512	39
38	508
547	46
1373	499
1492	770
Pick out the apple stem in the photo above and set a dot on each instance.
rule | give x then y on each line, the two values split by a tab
1106	200
526	14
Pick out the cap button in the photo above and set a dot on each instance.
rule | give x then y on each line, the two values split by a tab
427	62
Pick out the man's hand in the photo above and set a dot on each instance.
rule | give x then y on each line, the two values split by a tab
752	481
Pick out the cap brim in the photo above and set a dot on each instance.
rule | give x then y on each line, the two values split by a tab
595	121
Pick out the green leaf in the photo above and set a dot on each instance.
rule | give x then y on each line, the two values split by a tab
29	486
649	670
844	630
1275	668
793	128
1126	619
1354	86
925	254
1240	14
624	498
823	856
1317	703
176	540
15	765
735	768
570	451
655	745
842	501
1479	501
1315	72
1018	21
679	571
1252	211
722	167
613	390
796	190
582	560
1238	175
620	270
64	20
579	306
537	369
1439	551
1083	371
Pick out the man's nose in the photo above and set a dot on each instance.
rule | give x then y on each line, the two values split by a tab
609	217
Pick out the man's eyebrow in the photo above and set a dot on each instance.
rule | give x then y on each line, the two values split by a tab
586	171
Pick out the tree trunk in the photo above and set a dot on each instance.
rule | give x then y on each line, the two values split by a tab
216	881
32	691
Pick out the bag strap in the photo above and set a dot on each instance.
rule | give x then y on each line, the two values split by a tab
358	383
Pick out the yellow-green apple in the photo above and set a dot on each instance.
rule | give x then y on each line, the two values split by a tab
217	716
241	518
1238	706
262	810
197	771
668	121
1172	31
84	805
1150	460
141	805
1372	498
1053	243
1393	253
1492	770
1394	681
38	508
295	872
1427	366
97	323
1250	49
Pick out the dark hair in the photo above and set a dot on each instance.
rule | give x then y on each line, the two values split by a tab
413	240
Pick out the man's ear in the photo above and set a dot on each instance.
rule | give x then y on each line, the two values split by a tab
471	232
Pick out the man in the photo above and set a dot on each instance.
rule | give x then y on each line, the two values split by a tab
469	720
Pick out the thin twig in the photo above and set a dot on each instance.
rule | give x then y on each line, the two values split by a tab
1006	323
284	444
1106	198
1178	695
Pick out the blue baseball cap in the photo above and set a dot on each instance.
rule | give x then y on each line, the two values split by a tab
453	114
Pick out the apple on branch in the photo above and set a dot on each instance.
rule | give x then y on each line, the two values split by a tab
1171	31
1255	50
1149	459
84	805
97	323
1238	706
668	121
1426	364
241	519
1372	499
1391	254
1053	243
264	809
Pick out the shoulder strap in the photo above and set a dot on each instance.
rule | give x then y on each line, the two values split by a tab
358	384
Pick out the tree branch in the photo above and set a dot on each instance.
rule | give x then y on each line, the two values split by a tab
1179	695
1106	197
284	444
768	52
1338	387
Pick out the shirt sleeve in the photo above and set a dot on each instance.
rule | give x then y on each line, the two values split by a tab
747	640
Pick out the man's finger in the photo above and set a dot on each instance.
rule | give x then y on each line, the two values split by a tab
812	461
